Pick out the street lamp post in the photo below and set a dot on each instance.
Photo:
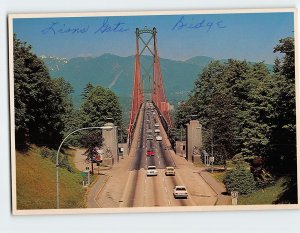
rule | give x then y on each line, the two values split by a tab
212	151
57	162
210	160
200	141
181	143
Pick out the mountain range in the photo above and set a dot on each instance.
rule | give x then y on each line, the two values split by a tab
116	73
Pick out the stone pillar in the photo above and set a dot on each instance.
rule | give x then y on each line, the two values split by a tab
194	138
109	134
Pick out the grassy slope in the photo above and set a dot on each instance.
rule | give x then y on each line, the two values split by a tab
36	183
264	196
269	195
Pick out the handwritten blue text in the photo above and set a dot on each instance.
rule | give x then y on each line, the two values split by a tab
183	23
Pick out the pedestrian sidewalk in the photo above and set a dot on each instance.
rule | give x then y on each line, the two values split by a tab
94	190
217	186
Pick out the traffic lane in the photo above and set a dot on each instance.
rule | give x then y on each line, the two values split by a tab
136	182
164	151
198	189
169	182
150	161
156	193
142	192
140	150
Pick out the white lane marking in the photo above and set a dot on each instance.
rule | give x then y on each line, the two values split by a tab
165	185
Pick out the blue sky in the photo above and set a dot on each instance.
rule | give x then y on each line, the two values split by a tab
241	36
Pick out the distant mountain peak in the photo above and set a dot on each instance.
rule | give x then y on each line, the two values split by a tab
201	61
54	63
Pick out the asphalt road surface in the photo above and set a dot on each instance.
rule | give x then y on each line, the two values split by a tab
128	184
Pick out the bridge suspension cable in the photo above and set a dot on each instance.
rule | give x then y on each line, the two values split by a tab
158	95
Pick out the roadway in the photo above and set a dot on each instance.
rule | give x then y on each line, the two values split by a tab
148	191
128	184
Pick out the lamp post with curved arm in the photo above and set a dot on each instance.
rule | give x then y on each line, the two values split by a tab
57	162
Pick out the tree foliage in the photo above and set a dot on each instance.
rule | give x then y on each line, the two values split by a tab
283	138
246	109
40	102
240	178
100	104
92	141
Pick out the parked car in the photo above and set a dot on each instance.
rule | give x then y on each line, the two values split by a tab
151	171
180	191
170	171
156	125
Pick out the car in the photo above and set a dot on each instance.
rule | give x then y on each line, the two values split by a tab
149	137
151	171
180	191
158	138
170	171
150	153
156	131
149	131
156	125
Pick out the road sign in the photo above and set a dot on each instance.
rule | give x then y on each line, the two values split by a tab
234	197
86	178
234	194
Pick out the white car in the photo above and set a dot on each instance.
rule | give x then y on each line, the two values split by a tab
180	191
158	138
156	131
151	171
156	125
170	171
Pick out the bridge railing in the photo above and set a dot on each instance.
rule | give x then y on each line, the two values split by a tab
131	129
162	119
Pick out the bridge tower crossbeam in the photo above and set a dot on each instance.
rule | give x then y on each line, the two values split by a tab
158	96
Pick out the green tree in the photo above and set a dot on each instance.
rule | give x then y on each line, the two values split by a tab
235	102
214	105
87	89
39	104
256	113
239	178
65	91
283	150
92	141
100	104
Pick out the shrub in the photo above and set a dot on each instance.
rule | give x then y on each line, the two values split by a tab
45	152
51	154
262	177
239	178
